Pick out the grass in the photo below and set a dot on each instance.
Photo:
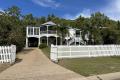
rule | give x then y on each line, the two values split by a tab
92	66
89	66
46	51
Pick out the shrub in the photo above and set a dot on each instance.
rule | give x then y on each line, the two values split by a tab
43	45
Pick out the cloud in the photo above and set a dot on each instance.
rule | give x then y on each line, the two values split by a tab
47	3
112	9
1	10
85	13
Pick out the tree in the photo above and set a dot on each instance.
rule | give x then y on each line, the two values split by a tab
13	11
42	20
49	18
62	32
11	28
98	19
29	20
100	28
109	36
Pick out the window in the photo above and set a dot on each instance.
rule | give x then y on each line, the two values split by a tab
36	31
30	31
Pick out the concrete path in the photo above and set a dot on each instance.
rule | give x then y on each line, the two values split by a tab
36	66
109	76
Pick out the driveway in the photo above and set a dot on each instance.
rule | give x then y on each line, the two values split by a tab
36	66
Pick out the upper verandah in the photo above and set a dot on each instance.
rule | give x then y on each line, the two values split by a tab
46	28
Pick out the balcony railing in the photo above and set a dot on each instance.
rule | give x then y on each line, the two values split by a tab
52	32
35	31
49	32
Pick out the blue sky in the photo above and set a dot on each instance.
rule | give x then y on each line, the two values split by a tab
69	9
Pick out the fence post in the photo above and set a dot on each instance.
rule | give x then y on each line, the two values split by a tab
14	52
89	51
70	51
54	53
112	53
114	50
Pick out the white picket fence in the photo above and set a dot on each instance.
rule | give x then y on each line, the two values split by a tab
62	51
7	54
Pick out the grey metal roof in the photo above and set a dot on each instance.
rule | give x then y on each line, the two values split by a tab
50	23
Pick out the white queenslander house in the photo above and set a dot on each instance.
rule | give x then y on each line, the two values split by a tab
48	35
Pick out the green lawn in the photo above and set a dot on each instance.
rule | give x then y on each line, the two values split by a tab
89	66
46	51
92	66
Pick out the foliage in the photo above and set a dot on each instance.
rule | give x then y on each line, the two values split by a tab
101	29
43	45
11	28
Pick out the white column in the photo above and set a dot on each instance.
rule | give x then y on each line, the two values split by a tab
75	37
75	40
47	40
33	31
39	41
39	32
26	42
61	41
26	37
80	38
56	37
39	38
79	41
67	39
47	35
56	40
26	31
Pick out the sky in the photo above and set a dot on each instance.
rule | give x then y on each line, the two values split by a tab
68	9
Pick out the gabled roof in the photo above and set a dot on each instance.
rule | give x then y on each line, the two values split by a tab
50	23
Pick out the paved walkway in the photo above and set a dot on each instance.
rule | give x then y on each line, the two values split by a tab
109	76
36	66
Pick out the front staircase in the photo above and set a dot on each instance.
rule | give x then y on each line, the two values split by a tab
74	40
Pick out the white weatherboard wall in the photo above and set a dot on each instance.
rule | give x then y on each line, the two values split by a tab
58	52
7	54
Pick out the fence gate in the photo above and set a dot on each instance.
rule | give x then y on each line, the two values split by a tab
7	54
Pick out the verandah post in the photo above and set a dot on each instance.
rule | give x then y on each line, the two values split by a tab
47	35
26	38
56	37
39	38
26	42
